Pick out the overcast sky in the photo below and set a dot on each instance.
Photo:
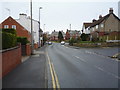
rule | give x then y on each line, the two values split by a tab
58	15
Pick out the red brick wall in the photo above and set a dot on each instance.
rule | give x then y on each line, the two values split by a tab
28	50
10	59
21	31
35	46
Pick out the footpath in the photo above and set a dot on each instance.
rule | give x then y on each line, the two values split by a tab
30	74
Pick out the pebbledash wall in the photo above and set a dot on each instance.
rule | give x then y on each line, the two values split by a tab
10	59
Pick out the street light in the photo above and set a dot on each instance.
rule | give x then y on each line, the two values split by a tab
39	27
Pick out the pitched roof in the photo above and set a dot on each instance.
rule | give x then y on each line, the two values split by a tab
103	18
87	25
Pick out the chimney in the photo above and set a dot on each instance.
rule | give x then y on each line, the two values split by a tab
110	10
22	15
93	20
100	16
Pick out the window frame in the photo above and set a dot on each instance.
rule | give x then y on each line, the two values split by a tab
102	25
14	27
6	26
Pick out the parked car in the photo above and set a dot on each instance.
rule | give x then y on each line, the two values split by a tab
49	43
62	43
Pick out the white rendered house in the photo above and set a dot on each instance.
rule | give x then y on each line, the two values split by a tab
26	23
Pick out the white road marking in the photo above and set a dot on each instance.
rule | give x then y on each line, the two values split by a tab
99	68
80	59
101	55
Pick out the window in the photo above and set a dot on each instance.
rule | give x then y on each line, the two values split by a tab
14	26
6	26
110	30
102	25
96	26
93	29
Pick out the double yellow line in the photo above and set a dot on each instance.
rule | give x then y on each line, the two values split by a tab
55	82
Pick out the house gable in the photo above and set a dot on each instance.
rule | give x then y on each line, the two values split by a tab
112	23
21	31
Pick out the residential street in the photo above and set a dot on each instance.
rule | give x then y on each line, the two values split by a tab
66	67
84	67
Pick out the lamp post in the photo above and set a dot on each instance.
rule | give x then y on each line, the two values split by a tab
39	27
32	47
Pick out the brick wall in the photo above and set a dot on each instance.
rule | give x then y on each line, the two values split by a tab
35	46
28	50
10	59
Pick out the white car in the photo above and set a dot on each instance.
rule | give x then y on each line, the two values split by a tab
62	43
49	43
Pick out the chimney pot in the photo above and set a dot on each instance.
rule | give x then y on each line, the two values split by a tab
93	20
100	16
110	10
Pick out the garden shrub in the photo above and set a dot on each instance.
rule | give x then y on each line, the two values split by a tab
72	40
84	37
10	30
22	40
8	40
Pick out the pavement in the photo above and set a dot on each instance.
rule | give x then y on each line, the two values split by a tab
31	73
83	68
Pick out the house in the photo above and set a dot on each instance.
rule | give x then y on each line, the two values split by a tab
54	35
20	30
72	33
25	21
106	27
85	28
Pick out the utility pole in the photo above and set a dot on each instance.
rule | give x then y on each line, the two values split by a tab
39	27
32	43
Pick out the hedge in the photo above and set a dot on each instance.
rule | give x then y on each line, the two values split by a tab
8	40
22	40
10	30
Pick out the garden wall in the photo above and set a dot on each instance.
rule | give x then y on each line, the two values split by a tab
10	59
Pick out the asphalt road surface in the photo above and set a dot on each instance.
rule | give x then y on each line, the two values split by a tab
84	67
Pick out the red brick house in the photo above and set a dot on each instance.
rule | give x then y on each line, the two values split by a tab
11	23
72	33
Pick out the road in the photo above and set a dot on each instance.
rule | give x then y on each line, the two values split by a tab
84	67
